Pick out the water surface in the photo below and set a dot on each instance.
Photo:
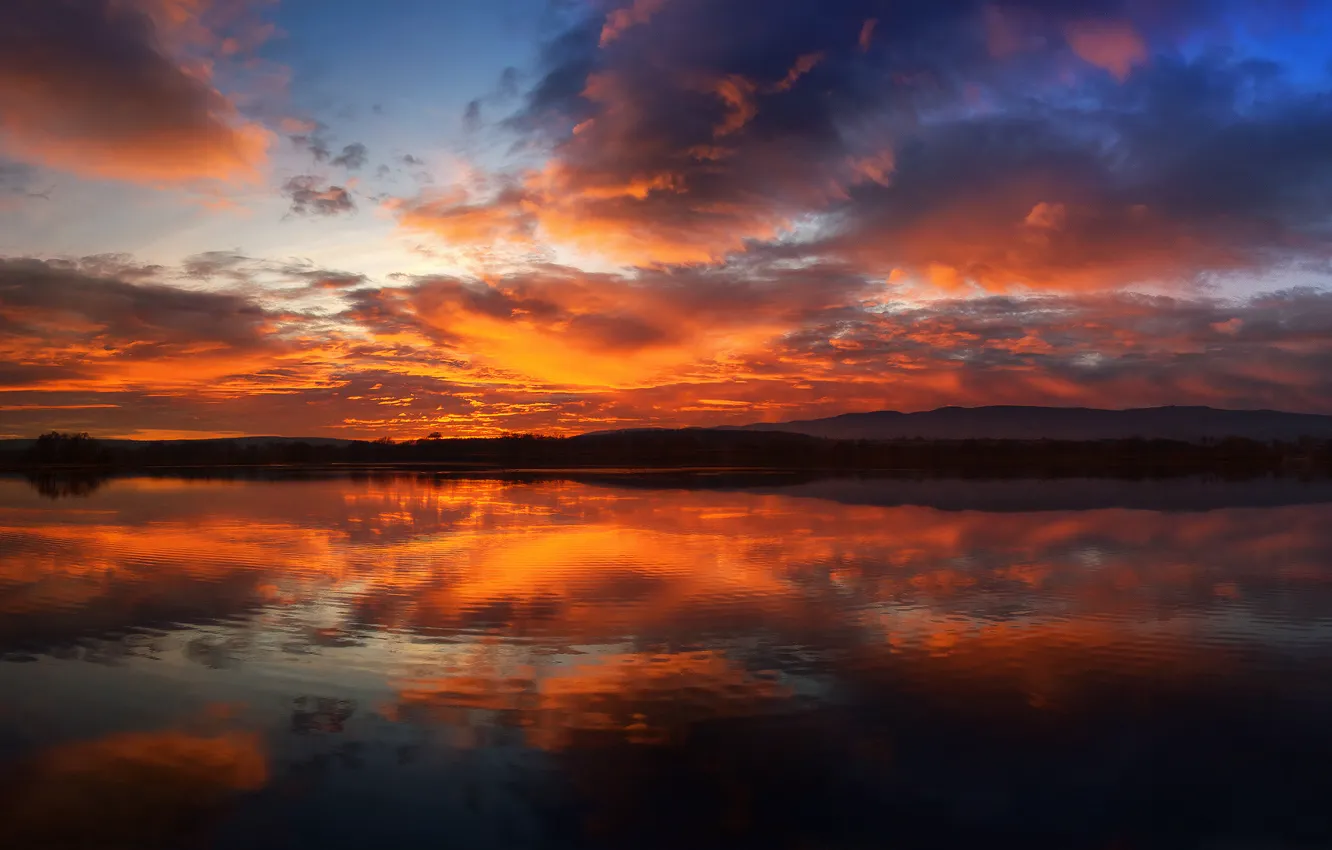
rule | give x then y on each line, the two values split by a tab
678	661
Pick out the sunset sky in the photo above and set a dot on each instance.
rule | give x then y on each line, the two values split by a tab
355	219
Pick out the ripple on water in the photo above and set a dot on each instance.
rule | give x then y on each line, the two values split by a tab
686	631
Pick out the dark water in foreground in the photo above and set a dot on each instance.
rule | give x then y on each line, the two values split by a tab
411	661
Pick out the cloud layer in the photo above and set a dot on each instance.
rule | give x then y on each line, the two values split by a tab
694	214
105	345
969	146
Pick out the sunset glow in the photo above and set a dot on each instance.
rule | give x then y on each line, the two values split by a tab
228	217
266	654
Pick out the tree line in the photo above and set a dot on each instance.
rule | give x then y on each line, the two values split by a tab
705	448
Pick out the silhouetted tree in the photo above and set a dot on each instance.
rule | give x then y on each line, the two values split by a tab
60	448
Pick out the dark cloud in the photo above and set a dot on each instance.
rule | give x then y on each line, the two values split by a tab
1021	143
258	277
91	86
1182	173
472	115
320	278
417	164
311	196
353	157
71	301
614	333
315	142
1271	350
211	263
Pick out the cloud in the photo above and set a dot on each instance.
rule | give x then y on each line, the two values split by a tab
89	301
866	37
1115	46
353	157
314	140
211	263
778	216
310	196
472	115
1132	349
1201	179
106	344
825	332
87	87
248	276
619	20
689	132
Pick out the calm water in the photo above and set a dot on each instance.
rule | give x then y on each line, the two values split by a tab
411	660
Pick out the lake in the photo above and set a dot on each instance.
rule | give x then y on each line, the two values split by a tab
675	660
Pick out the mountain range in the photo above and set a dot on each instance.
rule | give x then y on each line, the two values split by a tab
1000	422
1011	422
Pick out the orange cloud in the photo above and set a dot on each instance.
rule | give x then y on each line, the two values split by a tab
88	90
676	156
876	167
656	167
637	13
803	65
1010	236
1114	46
452	217
867	34
561	350
1046	215
738	95
634	219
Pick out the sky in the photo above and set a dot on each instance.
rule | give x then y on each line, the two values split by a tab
352	219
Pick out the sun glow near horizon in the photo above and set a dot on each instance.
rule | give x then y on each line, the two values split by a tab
596	216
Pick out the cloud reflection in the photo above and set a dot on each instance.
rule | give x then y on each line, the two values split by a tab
708	659
130	790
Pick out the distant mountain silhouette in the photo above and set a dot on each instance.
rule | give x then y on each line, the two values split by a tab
1010	422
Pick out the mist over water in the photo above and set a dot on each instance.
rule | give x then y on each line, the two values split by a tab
685	661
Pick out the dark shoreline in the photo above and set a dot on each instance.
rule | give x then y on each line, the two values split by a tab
878	488
699	450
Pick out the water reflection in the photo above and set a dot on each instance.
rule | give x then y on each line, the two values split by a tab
612	664
65	485
128	790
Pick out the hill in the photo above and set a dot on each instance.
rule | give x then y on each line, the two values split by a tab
1006	422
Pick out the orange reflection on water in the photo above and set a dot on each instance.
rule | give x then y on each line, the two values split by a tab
129	790
592	600
642	698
